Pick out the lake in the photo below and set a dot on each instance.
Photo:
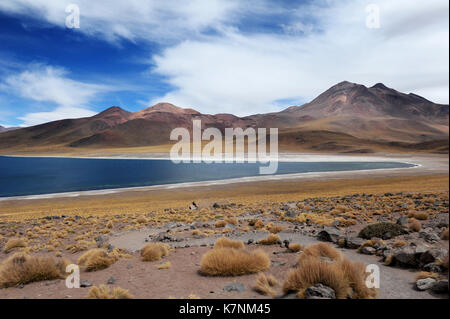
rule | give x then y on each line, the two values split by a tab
43	175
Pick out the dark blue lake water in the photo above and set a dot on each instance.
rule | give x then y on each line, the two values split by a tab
32	176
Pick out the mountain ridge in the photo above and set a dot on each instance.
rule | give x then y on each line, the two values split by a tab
347	111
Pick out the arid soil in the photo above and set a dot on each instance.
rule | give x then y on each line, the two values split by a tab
190	232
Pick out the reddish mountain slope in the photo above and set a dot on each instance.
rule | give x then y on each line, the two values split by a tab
347	117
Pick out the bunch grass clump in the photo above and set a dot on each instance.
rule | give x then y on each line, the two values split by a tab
272	239
103	292
233	262
22	268
224	242
154	251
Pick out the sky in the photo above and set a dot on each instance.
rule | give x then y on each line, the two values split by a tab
216	56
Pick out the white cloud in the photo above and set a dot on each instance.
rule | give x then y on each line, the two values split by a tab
132	19
246	74
42	83
62	112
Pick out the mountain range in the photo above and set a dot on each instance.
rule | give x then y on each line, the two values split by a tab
347	118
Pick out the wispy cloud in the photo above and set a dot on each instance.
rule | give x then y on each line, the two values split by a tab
247	73
216	62
43	83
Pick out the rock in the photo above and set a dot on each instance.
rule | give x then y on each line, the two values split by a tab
101	240
387	236
193	206
406	256
368	250
336	224
286	243
425	284
230	226
234	286
440	287
319	291
432	267
216	206
429	235
403	221
111	281
291	213
85	284
431	255
329	234
250	241
354	242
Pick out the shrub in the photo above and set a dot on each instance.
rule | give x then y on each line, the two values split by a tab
444	235
21	268
154	251
224	242
378	230
295	247
415	225
274	229
232	221
421	215
258	224
96	259
103	292
312	271
233	262
14	243
399	243
265	285
320	250
220	224
346	278
272	239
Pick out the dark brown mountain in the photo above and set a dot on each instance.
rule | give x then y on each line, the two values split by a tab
348	117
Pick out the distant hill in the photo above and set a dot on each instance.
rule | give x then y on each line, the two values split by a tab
5	129
347	118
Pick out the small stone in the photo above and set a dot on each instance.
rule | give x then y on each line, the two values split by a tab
403	221
111	281
234	286
368	250
250	241
425	284
85	284
319	291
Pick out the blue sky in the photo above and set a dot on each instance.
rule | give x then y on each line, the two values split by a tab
216	56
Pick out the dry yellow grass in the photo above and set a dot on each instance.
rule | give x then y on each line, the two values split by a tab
312	271
96	259
166	265
21	268
320	250
154	251
224	242
233	262
426	274
266	285
421	215
415	225
272	239
295	247
14	243
103	292
346	278
274	229
246	193
220	224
